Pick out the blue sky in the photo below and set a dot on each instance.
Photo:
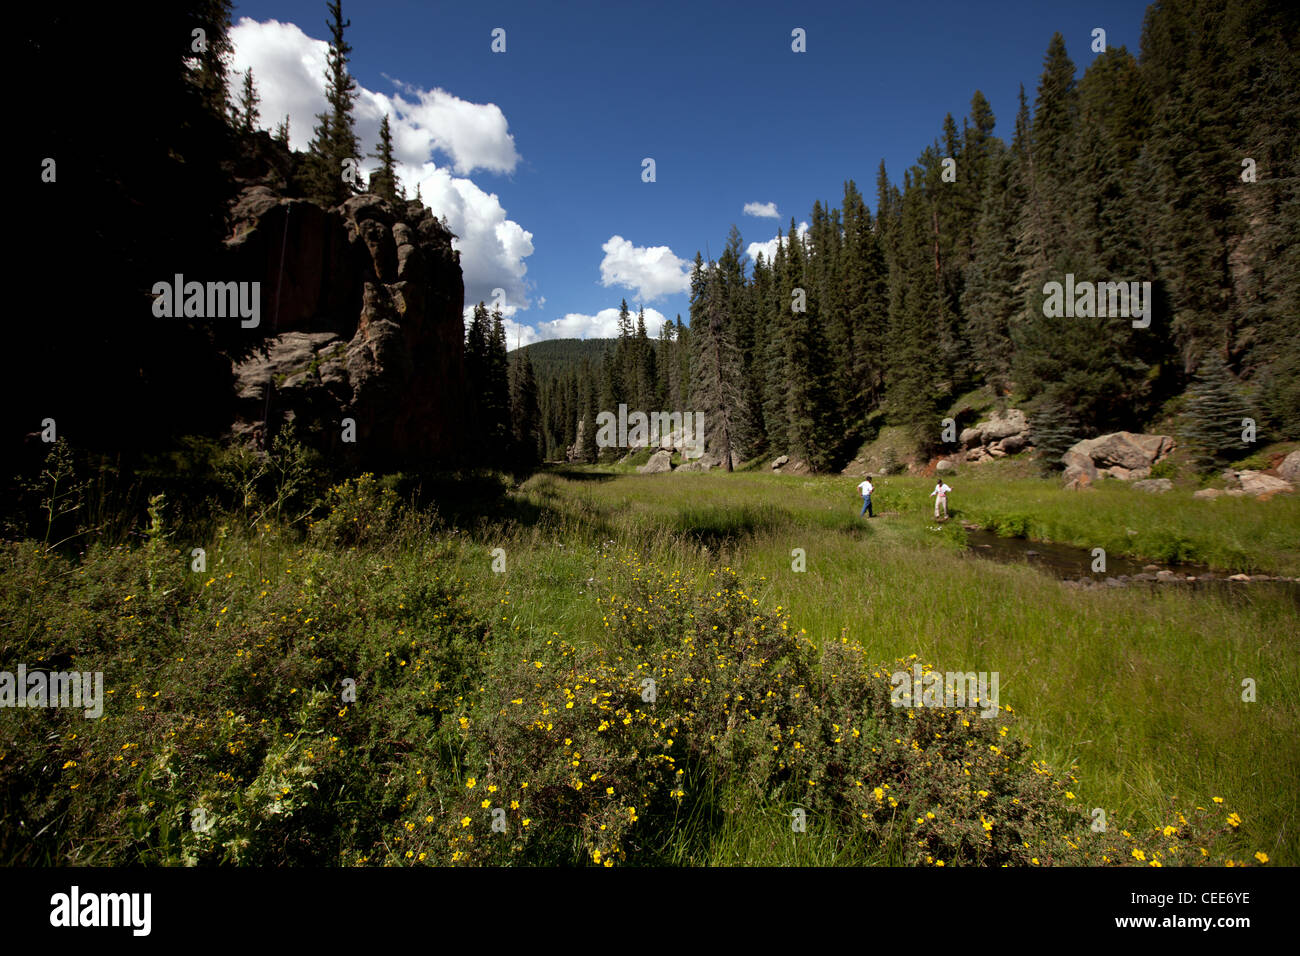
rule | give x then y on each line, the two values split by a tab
535	154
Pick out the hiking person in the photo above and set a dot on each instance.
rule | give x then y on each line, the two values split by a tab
866	488
940	496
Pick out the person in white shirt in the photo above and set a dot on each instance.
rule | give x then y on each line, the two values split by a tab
940	496
866	488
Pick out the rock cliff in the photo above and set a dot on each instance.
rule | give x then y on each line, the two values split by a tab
361	319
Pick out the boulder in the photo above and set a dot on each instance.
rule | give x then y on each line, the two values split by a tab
1076	463
1289	470
660	462
945	466
1077	479
1209	494
1258	483
1012	444
1005	433
1003	425
783	460
1125	449
1154	486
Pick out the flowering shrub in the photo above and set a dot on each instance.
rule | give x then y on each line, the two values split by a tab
593	754
361	510
229	736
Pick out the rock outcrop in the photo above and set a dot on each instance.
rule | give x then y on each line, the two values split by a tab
660	462
361	320
1255	483
1006	433
1124	455
1289	470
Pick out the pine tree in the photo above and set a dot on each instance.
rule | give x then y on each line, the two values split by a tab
525	415
715	363
248	100
778	320
211	76
666	365
587	448
989	301
1053	430
282	132
1212	418
917	376
476	374
334	140
383	182
809	400
496	393
863	315
647	398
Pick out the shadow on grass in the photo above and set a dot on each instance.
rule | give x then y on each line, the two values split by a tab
574	474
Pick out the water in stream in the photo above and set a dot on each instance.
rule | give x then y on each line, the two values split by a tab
1074	565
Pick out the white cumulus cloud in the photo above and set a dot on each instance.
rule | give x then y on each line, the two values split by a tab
768	249
602	325
763	210
651	271
474	135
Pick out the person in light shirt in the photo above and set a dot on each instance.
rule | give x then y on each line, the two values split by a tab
940	496
866	488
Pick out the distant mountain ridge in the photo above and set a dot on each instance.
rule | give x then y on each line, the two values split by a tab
557	357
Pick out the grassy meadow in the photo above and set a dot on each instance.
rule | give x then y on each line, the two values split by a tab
512	680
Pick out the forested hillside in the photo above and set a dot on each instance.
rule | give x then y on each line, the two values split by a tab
1177	170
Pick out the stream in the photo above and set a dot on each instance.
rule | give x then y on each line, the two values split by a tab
1073	566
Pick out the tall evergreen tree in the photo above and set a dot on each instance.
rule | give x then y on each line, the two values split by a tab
248	100
496	392
334	140
1053	430
383	182
1212	421
917	376
989	300
476	377
715	363
528	438
211	74
590	404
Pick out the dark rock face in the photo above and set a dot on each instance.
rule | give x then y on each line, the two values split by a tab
361	319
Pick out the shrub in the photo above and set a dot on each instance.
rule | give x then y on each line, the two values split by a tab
227	739
1164	469
361	510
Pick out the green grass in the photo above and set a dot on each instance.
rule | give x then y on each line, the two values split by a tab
1139	690
1142	688
1228	534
